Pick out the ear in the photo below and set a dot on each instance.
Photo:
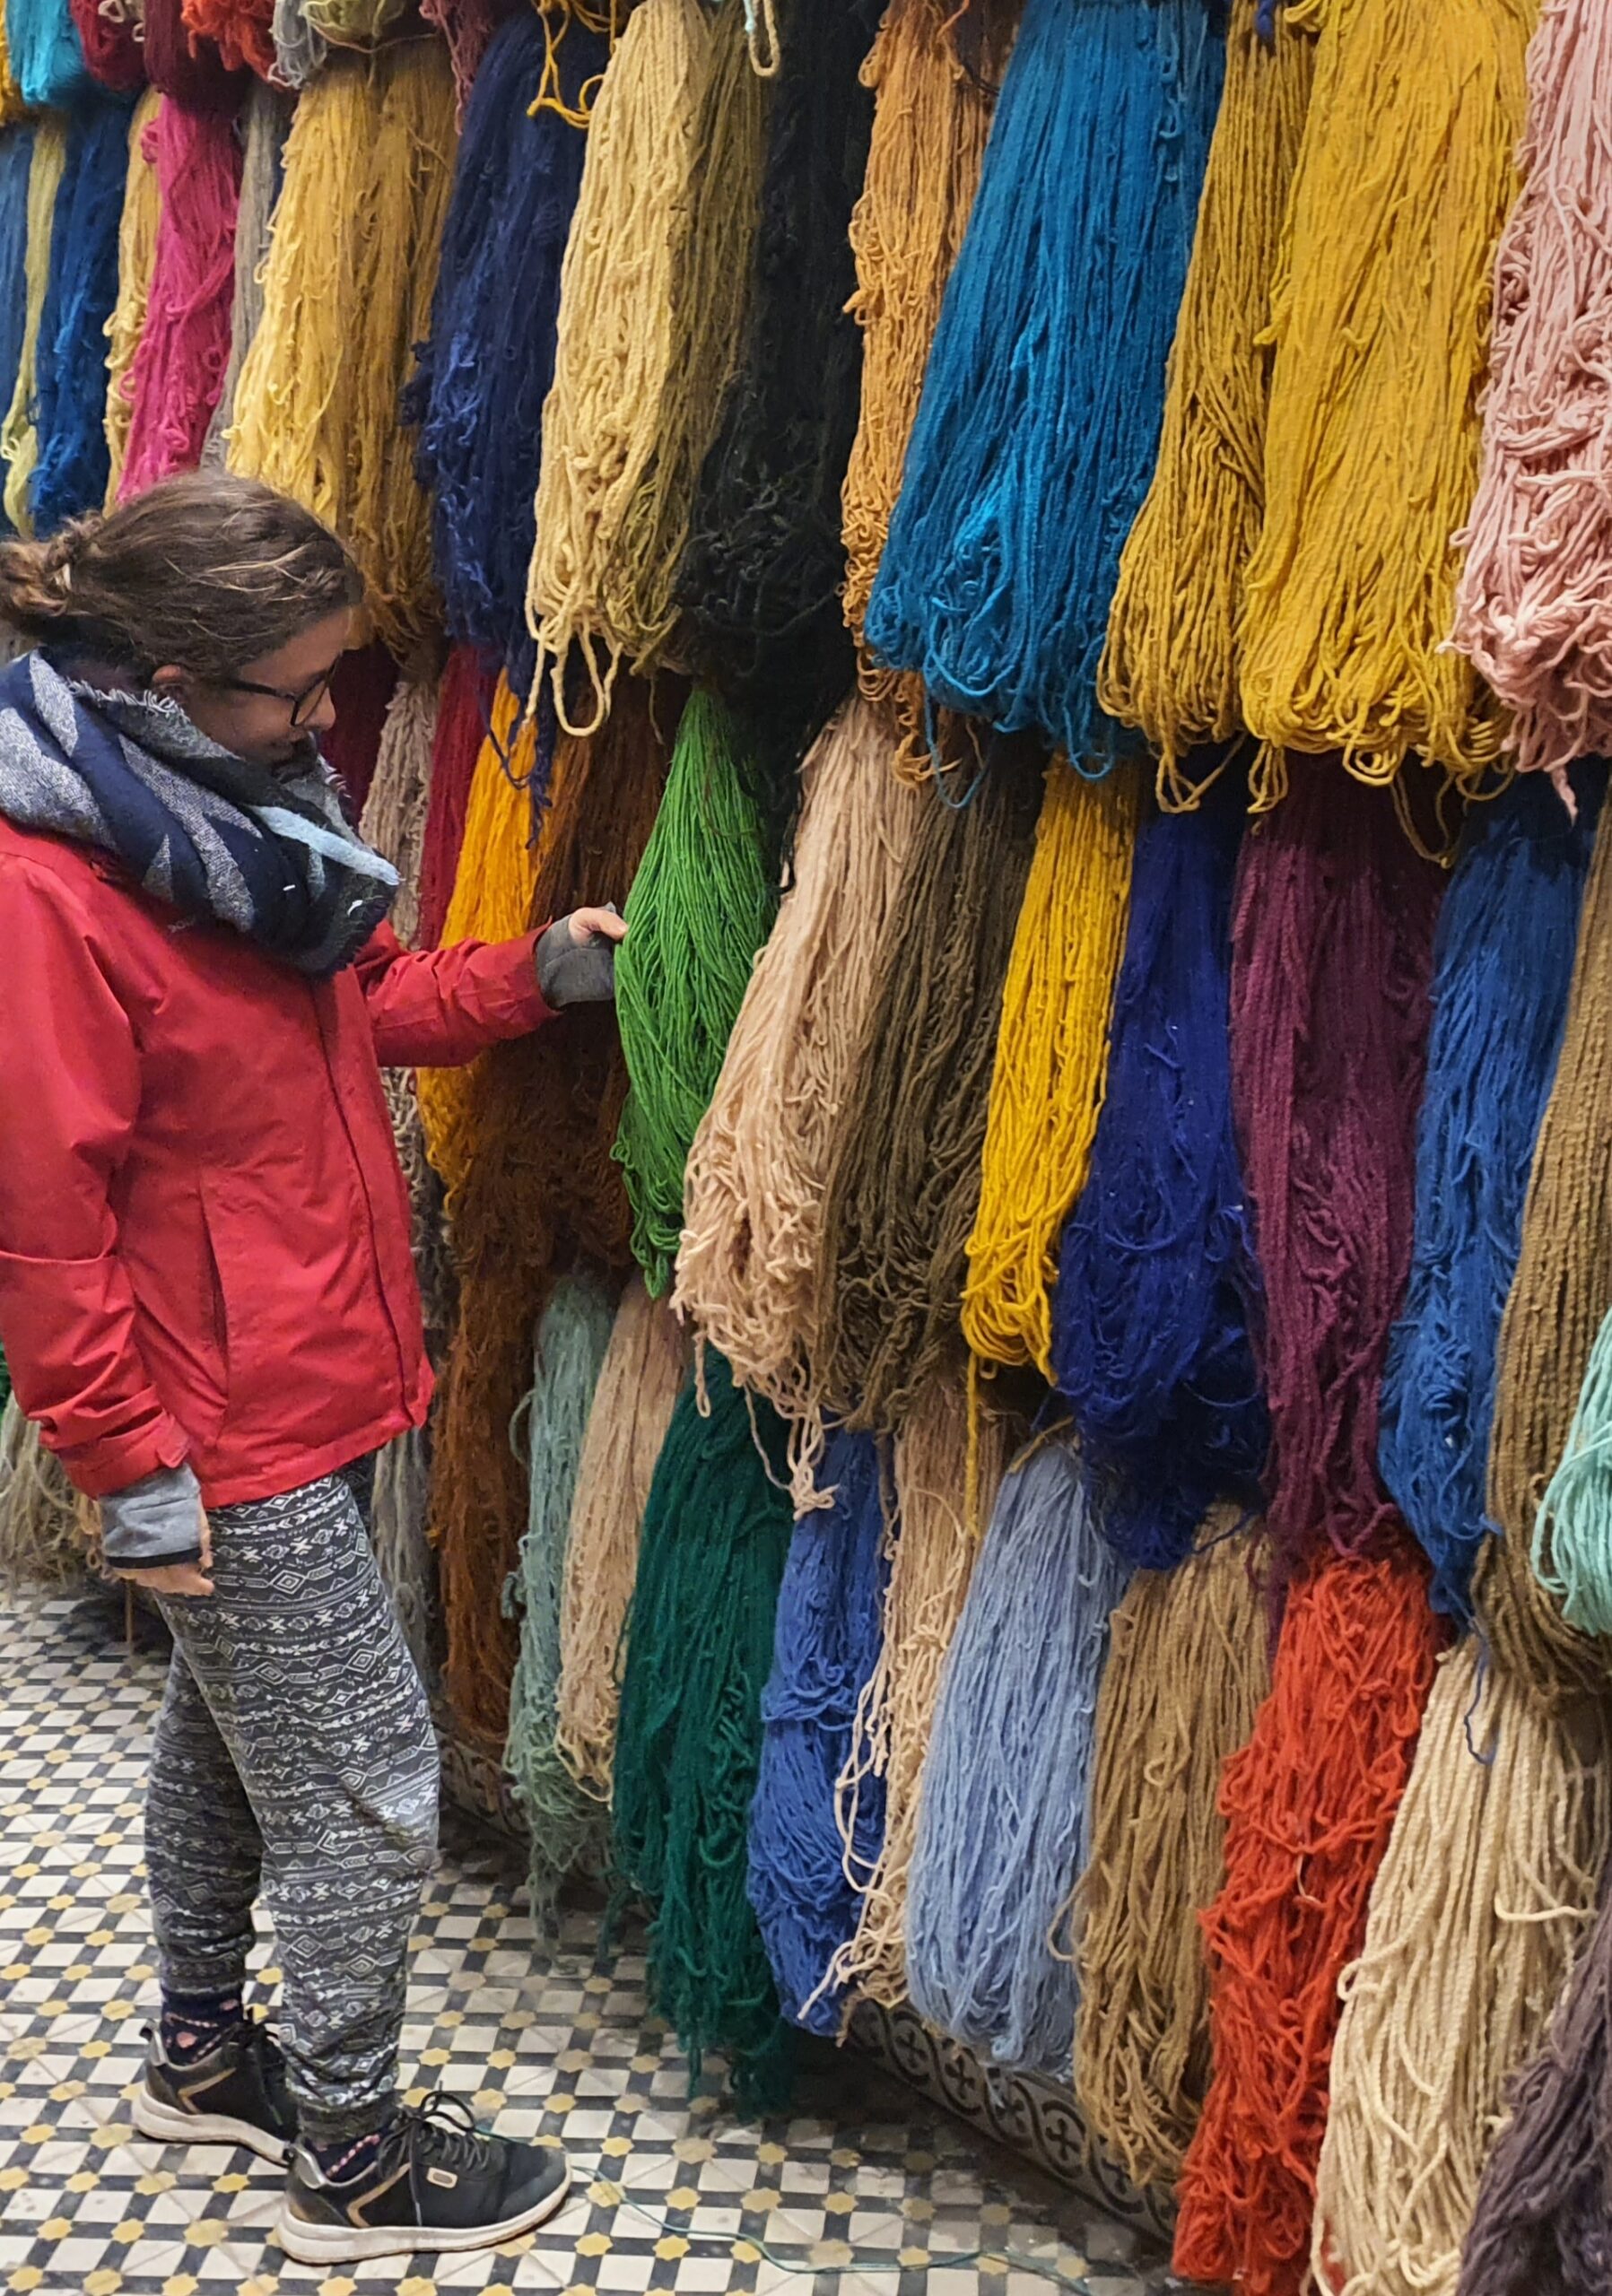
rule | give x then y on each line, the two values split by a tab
167	679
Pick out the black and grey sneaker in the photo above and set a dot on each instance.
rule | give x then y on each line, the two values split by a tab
435	2183
234	2095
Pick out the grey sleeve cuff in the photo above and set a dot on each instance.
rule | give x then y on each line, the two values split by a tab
153	1522
567	974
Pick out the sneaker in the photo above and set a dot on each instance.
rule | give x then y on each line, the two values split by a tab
234	2095
437	2183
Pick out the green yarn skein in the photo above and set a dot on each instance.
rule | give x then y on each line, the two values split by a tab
688	1750
700	907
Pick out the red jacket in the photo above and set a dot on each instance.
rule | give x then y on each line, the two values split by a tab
204	1232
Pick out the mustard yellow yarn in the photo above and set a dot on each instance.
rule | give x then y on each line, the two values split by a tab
1381	312
1172	663
136	255
347	294
1051	1059
19	441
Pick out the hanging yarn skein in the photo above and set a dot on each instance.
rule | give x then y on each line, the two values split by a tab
946	1480
394	809
44	53
1051	1060
645	1368
531	1178
185	65
699	1648
1531	613
1490	1879
700	907
1331	956
805	1882
1158	1288
46	1527
1171	661
1542	2206
113	51
1187	1666
1309	1803
615	341
346	295
1380	315
903	1177
1503	965
16	162
469	26
1036	434
19	438
754	1189
12	110
465	700
1559	1295
70	394
1002	1829
242	31
137	256
930	121
709	291
484	370
267	118
760	581
179	369
572	1340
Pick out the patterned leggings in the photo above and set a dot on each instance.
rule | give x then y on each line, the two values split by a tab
294	1750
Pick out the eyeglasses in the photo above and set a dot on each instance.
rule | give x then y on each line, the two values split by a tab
302	704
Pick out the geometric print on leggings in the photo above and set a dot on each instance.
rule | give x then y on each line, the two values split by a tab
294	1755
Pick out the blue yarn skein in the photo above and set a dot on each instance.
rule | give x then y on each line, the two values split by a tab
47	55
1151	1313
1004	1813
80	290
829	1632
1503	965
16	157
483	377
1044	395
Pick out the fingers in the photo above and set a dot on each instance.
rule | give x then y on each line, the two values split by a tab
597	923
175	1579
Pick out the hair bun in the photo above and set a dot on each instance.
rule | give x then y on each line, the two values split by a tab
36	578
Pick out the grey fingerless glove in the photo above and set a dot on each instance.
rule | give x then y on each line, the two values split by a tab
575	973
152	1523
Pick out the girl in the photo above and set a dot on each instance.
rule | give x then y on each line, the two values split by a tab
207	1301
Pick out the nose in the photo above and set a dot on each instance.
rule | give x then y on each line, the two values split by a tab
323	716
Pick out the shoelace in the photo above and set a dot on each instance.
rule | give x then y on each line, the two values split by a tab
446	2128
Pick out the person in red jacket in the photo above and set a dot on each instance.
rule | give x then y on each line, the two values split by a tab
207	1301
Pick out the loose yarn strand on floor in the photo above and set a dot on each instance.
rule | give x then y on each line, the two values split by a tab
700	907
929	1579
1531	612
1380	316
1036	433
1489	1881
1051	1061
645	1368
1502	966
1187	1666
1171	661
1003	1824
1559	1295
1310	1804
572	1341
1331	958
757	1170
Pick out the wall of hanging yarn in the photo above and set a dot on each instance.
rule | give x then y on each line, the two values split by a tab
1022	546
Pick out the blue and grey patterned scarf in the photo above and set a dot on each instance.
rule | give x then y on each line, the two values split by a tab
272	855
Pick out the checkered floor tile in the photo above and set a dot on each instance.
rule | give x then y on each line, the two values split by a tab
868	2191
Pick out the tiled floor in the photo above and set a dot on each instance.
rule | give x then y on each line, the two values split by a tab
868	2192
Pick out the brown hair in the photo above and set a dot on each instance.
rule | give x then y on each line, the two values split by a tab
206	570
